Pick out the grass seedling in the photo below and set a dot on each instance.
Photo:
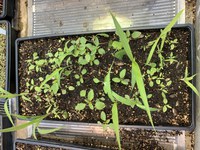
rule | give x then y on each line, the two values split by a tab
187	80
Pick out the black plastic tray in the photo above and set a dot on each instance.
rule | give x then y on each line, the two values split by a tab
8	9
191	57
51	144
6	138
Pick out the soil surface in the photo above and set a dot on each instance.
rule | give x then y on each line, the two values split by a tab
177	93
2	57
22	146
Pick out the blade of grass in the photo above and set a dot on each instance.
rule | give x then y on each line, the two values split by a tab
47	131
6	109
24	125
191	86
141	88
123	38
115	119
165	31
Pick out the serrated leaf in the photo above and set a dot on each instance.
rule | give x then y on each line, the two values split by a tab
99	105
122	73
80	106
90	94
103	116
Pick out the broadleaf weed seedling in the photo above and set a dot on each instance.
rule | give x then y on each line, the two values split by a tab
121	78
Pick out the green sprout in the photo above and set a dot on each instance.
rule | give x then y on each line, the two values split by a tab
121	78
171	59
80	77
87	99
187	80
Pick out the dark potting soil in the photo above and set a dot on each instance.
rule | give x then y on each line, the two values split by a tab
2	56
178	93
23	146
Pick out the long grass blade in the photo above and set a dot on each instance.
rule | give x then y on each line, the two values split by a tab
192	87
24	125
123	38
142	91
6	109
115	119
47	131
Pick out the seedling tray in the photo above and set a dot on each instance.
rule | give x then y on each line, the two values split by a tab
50	145
8	9
6	138
191	58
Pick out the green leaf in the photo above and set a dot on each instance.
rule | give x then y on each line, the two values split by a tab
37	89
164	108
96	62
115	119
101	51
80	106
87	57
123	100
71	88
83	93
165	31
49	77
99	105
31	67
119	54
107	85
117	45
96	80
192	87
136	34
116	80
96	41
125	81
24	125
103	116
141	88
83	40
91	94
91	106
122	73
123	38
103	34
76	76
55	88
47	131
6	109
84	71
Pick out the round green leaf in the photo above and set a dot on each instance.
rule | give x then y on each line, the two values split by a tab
136	34
96	80
80	106
87	57
101	51
83	93
71	88
99	105
84	71
96	62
